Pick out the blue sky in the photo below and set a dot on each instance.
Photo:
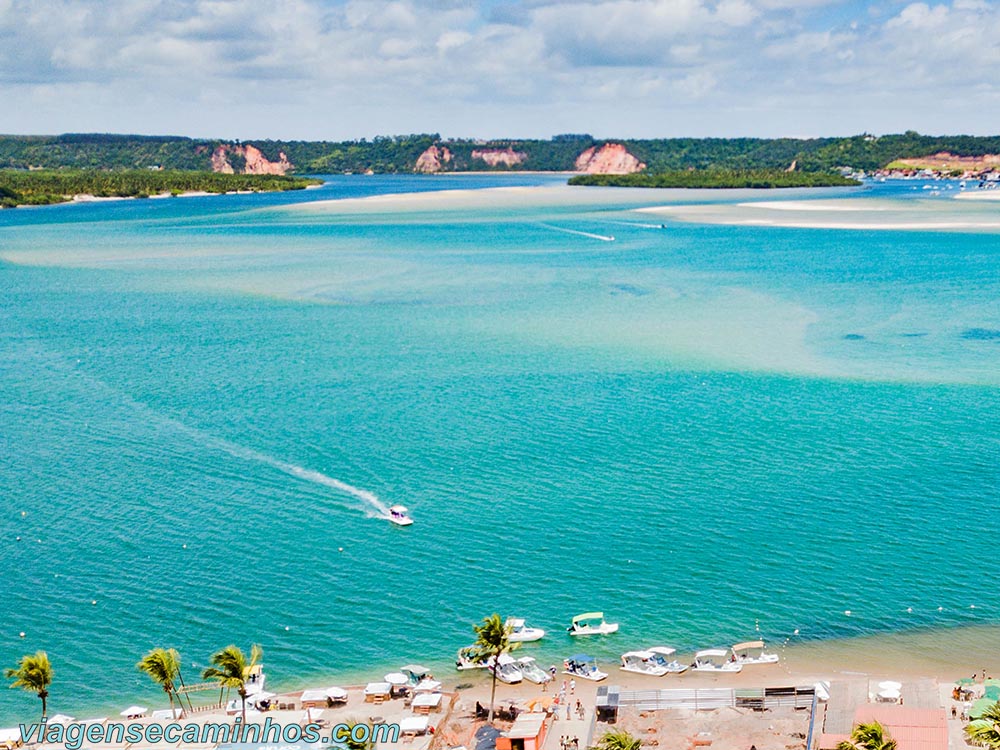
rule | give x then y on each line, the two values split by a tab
319	69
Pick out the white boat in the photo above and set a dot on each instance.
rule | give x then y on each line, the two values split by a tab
715	660
642	662
665	657
752	652
532	672
583	666
400	515
521	633
468	659
508	671
592	623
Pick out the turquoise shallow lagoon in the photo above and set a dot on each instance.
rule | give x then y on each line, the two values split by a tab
697	428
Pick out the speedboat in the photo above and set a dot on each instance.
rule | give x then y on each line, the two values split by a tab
521	633
592	623
468	659
508	671
642	662
532	672
665	658
583	666
400	515
752	652
715	660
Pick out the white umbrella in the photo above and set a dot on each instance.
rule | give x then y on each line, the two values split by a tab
133	712
889	694
337	693
396	678
890	685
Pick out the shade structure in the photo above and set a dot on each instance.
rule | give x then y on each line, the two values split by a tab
889	695
992	692
965	681
890	685
396	678
133	712
61	719
336	694
980	707
414	725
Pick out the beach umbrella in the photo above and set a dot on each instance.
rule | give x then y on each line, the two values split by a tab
338	693
992	692
965	681
133	712
396	678
890	685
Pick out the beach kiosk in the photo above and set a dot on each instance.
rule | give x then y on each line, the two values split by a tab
527	733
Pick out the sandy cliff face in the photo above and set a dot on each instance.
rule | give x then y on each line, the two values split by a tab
611	158
254	160
496	156
432	160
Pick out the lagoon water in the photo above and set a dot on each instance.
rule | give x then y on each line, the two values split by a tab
700	428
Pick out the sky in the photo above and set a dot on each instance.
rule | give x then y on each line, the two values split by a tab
333	70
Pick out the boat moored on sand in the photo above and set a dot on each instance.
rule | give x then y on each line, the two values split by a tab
666	658
508	671
583	666
532	672
521	633
715	660
642	662
753	652
468	658
592	623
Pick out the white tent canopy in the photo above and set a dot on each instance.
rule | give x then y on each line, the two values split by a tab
414	725
133	712
337	693
396	678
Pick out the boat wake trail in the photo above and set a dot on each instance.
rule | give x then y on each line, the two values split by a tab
375	507
591	235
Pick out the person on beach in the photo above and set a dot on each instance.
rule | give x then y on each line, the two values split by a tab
572	686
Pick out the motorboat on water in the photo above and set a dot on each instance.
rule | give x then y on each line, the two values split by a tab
715	660
583	666
666	657
532	672
592	623
642	662
400	515
509	671
469	658
753	652
521	633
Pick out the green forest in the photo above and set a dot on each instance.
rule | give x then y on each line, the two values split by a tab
45	187
717	178
399	153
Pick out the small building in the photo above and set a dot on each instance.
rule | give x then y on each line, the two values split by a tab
912	728
528	733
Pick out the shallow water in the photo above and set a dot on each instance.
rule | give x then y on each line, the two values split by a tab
699	429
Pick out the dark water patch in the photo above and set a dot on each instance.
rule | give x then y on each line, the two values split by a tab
853	337
635	291
913	335
981	334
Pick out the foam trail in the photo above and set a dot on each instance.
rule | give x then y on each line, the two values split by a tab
299	472
603	237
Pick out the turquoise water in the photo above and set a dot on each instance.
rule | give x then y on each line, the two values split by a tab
695	429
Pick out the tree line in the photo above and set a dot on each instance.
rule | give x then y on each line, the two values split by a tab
45	187
399	153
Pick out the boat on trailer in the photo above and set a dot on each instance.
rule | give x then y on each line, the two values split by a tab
592	623
400	515
583	666
715	660
521	633
666	657
753	652
642	662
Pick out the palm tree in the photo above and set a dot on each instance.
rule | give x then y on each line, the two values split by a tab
870	736
163	665
985	730
34	674
618	739
231	668
352	744
492	640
